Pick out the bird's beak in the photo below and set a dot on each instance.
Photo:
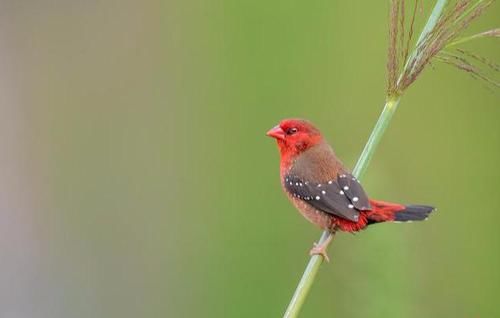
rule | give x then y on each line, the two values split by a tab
276	132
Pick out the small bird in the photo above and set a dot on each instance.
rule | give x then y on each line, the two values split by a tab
323	189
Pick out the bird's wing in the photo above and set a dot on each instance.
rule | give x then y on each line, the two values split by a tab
354	191
332	196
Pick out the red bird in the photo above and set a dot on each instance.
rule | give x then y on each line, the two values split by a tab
323	190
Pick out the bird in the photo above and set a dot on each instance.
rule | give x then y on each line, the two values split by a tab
324	191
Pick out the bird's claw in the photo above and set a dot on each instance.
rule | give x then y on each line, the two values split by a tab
319	249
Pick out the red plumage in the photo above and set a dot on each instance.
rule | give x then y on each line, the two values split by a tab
323	190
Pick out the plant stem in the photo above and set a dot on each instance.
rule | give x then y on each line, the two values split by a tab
306	281
428	27
383	121
378	131
489	33
433	19
314	263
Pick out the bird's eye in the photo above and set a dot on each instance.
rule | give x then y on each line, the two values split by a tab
291	131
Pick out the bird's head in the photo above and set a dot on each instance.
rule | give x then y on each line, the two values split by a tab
294	136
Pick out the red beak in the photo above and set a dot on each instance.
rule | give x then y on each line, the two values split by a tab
276	132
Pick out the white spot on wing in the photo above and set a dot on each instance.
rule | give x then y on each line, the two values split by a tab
317	197
355	199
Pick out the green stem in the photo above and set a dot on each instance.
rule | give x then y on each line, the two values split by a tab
428	27
306	281
431	22
463	40
489	33
378	131
315	262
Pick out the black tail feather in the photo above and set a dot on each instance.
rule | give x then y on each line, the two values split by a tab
413	213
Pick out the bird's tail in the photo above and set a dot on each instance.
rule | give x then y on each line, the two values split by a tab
388	212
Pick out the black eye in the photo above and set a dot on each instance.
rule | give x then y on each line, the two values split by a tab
291	131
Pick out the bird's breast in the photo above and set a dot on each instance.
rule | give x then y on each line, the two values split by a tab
319	218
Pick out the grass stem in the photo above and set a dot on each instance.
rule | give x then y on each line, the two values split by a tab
383	121
315	262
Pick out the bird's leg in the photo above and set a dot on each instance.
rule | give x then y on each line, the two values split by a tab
320	248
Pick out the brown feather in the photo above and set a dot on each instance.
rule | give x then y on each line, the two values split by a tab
320	164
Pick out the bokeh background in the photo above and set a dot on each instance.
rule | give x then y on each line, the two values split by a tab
136	179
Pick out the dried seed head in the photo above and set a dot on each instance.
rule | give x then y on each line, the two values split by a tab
404	68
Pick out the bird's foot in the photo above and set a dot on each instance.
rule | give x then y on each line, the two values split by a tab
320	249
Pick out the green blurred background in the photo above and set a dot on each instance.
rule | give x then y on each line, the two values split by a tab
137	180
